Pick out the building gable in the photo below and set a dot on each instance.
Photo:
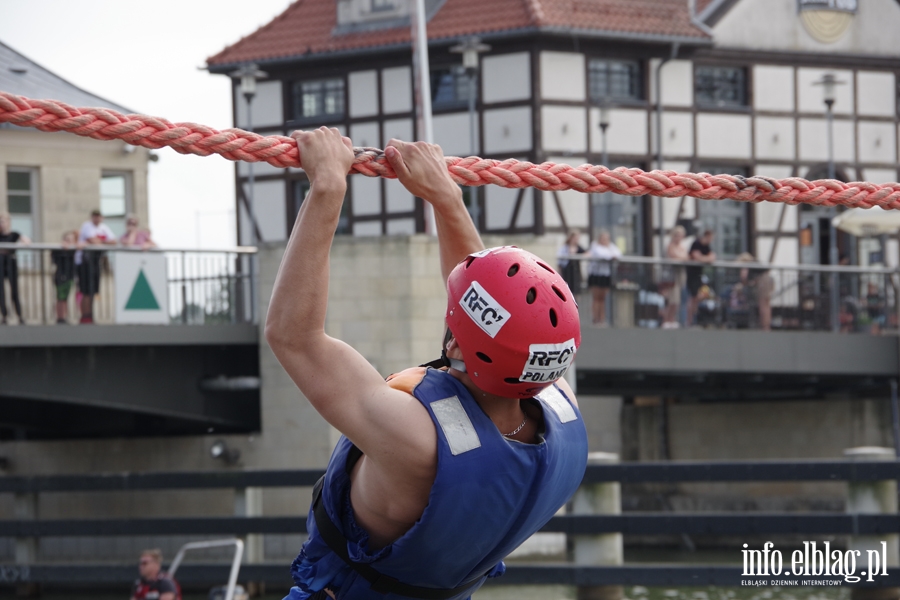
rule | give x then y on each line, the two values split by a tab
780	25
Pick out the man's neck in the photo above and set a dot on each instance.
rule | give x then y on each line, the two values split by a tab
506	413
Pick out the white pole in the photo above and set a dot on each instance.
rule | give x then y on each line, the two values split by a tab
422	69
422	78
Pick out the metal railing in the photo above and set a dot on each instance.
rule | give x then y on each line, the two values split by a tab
178	286
744	523
653	292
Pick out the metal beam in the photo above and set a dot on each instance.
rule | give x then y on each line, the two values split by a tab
628	524
795	353
516	574
628	472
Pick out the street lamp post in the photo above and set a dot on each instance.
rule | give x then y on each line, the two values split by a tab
604	152
248	75
828	83
604	125
470	49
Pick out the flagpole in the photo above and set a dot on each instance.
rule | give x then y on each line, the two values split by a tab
422	78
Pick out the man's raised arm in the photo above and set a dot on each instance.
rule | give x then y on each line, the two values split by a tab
421	168
340	384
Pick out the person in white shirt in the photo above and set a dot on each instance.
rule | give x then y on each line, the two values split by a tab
602	252
93	232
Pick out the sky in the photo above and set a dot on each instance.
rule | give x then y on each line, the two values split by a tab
146	56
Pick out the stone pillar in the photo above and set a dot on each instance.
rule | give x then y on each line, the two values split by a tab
605	549
873	497
248	503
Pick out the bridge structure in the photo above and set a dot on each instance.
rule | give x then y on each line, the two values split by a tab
199	371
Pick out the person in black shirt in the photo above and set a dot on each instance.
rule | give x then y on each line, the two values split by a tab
153	583
9	268
64	259
701	251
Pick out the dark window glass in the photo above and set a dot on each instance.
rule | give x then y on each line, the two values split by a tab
721	86
614	80
449	87
727	218
18	180
383	5
322	99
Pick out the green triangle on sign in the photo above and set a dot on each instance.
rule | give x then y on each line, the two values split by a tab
141	297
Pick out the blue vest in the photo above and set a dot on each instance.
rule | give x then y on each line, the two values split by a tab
489	495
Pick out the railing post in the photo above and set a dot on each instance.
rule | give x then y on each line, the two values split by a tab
25	509
873	497
605	549
184	305
248	503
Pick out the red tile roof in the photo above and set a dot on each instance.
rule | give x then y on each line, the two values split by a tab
306	26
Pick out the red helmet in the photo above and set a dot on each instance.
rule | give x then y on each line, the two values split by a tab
515	321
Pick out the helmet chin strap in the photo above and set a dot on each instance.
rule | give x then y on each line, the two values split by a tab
457	364
453	363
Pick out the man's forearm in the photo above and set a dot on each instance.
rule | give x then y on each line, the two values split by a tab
299	300
457	235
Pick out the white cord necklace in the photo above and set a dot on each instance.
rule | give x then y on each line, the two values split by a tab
517	429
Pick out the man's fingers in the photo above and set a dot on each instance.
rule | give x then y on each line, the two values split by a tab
393	156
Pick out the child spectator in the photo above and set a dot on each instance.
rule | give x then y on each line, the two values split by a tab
64	259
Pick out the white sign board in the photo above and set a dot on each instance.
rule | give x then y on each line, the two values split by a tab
141	287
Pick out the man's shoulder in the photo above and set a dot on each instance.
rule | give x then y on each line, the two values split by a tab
408	379
165	584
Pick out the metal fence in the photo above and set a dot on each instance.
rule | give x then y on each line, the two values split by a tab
200	286
652	292
855	522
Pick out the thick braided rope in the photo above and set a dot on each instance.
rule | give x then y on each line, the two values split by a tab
281	151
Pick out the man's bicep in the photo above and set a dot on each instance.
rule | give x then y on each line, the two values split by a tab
352	396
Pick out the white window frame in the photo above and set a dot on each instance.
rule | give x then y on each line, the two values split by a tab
35	198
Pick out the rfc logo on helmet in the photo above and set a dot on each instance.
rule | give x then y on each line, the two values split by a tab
548	362
484	310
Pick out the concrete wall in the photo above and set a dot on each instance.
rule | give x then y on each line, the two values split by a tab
69	170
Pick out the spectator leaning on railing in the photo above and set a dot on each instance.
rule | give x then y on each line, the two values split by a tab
675	277
64	277
134	237
9	268
93	232
570	269
701	251
602	253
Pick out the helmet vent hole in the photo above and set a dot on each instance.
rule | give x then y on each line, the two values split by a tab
547	267
531	296
553	320
484	357
512	380
513	270
469	261
559	293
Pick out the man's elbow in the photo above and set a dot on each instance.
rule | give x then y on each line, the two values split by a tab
274	333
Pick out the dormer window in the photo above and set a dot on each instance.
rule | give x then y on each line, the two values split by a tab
355	14
383	5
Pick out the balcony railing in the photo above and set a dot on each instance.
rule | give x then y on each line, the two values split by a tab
158	286
652	292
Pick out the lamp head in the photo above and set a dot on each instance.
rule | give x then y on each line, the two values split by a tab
248	75
829	84
470	49
604	114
